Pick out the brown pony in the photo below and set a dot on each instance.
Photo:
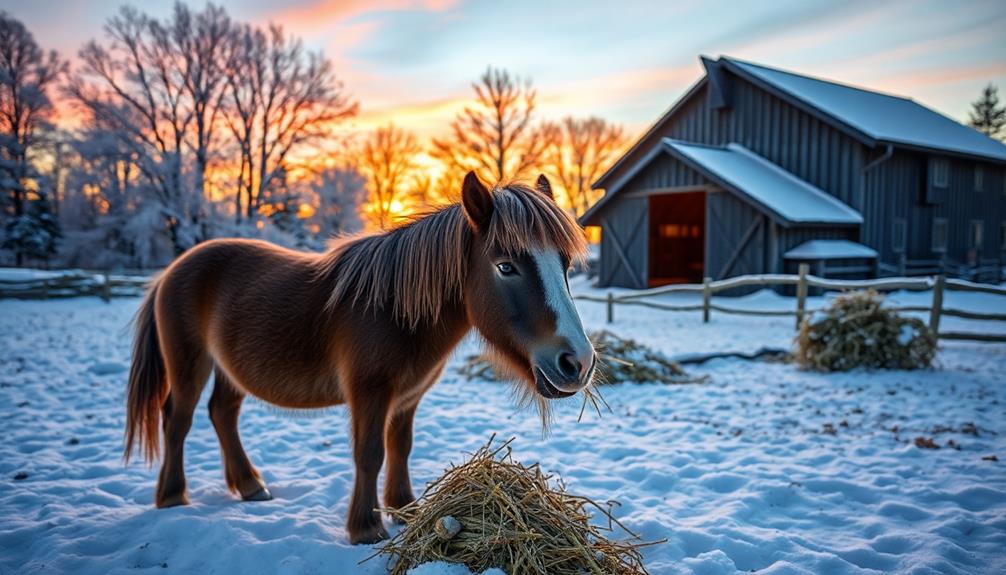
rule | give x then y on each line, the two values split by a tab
370	324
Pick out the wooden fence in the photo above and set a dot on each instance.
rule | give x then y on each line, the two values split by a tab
803	281
73	284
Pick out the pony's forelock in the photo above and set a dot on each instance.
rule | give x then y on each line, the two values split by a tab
423	263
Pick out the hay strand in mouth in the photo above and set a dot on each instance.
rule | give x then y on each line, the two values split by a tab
513	517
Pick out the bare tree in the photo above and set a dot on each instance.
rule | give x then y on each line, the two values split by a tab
388	161
135	85
495	135
201	40
27	75
280	98
577	152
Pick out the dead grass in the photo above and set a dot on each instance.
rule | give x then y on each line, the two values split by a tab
857	331
492	511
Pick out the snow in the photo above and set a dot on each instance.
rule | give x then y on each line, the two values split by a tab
830	250
791	198
763	468
880	116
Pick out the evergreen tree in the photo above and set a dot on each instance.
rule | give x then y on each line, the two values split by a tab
36	232
987	115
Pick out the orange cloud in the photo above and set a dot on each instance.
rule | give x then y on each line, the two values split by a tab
324	14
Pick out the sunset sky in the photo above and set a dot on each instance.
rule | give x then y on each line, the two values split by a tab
412	61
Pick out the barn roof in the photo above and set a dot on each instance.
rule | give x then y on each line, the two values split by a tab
765	184
830	250
780	194
880	117
871	117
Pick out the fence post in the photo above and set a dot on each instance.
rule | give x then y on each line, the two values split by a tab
106	287
45	289
934	314
611	307
707	293
801	293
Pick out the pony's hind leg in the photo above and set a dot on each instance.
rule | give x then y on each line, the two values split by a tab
186	377
225	409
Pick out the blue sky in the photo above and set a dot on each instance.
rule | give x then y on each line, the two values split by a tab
412	61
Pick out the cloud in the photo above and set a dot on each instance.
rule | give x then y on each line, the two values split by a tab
320	15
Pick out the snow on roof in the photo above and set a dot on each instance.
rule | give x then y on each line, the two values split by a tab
829	250
882	117
768	185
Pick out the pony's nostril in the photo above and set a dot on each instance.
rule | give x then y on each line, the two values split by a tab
569	366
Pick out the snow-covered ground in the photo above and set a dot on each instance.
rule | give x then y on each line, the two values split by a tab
764	468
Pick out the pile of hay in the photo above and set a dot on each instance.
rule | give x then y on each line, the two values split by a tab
494	512
856	331
622	360
625	360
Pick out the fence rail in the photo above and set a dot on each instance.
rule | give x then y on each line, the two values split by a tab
803	282
74	284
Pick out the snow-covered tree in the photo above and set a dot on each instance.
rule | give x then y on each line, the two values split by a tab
35	233
340	192
987	115
27	76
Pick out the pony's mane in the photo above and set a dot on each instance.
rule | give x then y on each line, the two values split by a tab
422	264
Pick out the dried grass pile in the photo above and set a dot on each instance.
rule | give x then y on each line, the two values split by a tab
621	360
625	360
857	331
495	512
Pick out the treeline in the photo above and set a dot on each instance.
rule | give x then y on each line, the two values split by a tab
170	131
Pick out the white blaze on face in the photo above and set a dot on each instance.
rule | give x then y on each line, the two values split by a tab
553	278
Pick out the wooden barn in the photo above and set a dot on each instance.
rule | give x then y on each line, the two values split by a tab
755	170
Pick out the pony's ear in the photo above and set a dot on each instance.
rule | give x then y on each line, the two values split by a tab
544	187
477	201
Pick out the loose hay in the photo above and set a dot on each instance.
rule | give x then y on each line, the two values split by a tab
495	512
621	360
625	360
856	331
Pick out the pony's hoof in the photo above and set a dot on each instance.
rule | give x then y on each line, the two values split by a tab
369	535
173	501
262	494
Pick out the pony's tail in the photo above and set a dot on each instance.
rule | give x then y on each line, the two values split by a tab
147	384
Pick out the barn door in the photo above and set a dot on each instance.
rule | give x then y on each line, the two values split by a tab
623	244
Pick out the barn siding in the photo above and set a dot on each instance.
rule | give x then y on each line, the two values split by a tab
900	188
728	218
787	136
626	221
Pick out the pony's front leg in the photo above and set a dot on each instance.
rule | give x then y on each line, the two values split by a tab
369	415
398	444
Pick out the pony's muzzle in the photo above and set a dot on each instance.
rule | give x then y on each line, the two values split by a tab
564	373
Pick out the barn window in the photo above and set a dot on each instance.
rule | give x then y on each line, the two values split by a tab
977	234
940	172
939	234
899	235
680	231
979	179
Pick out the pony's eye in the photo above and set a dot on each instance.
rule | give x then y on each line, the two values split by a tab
506	268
